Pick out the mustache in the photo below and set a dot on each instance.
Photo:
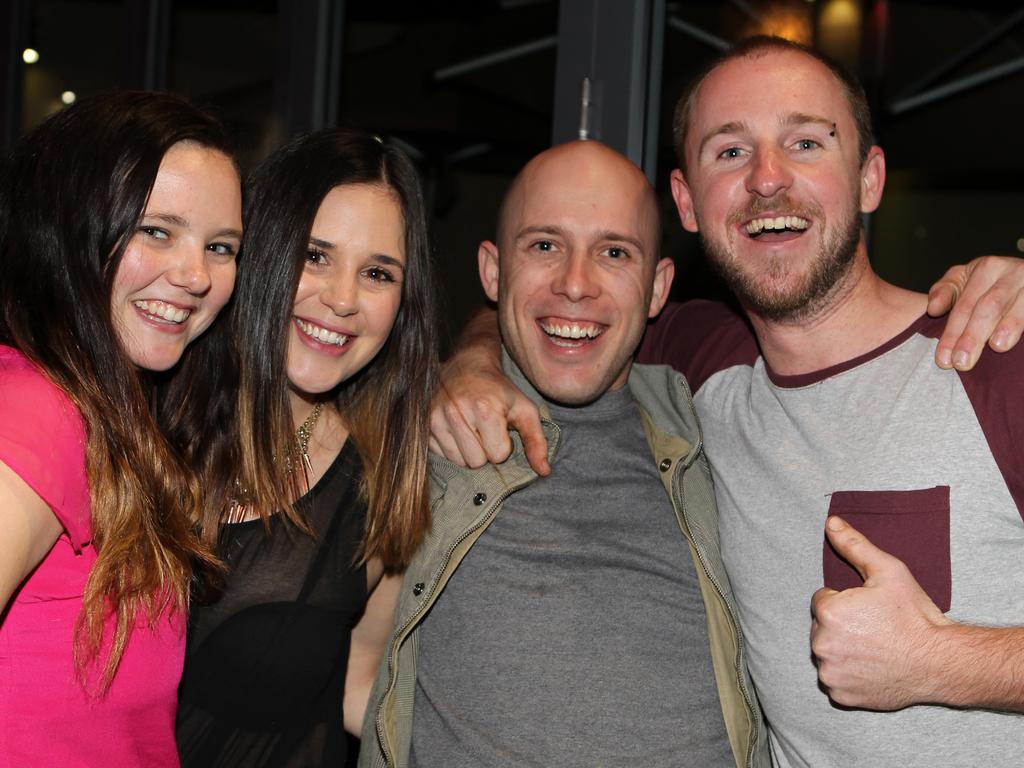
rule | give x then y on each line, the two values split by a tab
780	205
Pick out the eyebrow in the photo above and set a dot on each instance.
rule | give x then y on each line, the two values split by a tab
605	234
169	218
382	257
609	234
732	127
802	118
789	121
540	230
181	221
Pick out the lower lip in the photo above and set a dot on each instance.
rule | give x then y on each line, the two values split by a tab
775	237
780	237
332	350
159	324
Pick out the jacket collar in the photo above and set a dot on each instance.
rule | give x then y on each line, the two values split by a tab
662	393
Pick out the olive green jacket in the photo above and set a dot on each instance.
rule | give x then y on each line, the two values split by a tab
465	501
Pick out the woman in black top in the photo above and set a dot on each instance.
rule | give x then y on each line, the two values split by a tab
311	429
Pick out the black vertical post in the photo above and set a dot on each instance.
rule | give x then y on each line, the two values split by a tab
874	41
616	46
307	64
146	43
14	21
655	56
874	44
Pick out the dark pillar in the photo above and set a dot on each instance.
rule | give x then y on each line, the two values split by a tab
146	37
307	64
617	46
14	23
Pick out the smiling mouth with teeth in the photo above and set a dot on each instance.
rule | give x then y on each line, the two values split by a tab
162	311
778	224
571	334
322	335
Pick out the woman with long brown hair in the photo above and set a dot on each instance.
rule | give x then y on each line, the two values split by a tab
119	222
316	462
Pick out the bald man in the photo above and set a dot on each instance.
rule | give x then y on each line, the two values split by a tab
582	618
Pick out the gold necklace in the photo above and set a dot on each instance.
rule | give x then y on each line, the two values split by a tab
302	437
303	434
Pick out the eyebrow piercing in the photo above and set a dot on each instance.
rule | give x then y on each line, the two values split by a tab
832	133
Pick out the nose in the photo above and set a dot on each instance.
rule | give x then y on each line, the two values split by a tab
576	279
769	173
340	293
190	270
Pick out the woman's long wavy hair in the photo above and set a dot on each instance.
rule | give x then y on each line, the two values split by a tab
384	406
72	193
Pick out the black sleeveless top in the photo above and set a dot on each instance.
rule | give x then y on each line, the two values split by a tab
265	662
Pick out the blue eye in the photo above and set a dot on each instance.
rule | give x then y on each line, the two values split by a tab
806	144
730	153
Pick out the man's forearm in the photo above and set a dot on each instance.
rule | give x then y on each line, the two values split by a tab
972	666
480	338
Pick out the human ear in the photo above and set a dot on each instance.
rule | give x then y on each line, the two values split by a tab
487	260
664	273
684	200
872	180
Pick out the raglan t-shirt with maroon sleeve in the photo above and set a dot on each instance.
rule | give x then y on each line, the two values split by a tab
47	716
928	463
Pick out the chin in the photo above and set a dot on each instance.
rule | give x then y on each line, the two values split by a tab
155	362
315	388
572	394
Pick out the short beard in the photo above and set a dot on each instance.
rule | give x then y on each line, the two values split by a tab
811	296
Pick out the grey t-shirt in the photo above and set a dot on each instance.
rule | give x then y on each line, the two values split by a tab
928	464
573	633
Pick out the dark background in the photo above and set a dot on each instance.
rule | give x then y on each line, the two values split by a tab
474	88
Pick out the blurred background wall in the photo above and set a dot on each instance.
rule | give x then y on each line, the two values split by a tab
473	88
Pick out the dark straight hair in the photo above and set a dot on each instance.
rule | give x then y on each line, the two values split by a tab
72	193
385	405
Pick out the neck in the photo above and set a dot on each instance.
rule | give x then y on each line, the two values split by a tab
861	313
327	437
302	405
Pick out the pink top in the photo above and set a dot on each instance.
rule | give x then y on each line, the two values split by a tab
46	717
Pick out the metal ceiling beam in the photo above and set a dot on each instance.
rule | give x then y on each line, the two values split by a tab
697	33
976	47
752	13
505	54
957	86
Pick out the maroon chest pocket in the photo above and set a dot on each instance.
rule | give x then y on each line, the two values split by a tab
910	525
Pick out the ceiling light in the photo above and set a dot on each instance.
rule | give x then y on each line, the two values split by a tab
30	55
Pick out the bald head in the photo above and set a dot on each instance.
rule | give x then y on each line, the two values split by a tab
587	163
575	270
